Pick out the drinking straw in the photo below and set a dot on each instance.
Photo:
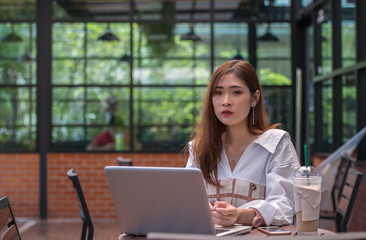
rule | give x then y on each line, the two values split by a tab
306	159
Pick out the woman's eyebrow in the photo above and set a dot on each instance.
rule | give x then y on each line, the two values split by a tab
234	86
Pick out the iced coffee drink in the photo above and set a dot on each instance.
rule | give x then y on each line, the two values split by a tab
307	196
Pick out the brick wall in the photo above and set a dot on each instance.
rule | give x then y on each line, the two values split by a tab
19	179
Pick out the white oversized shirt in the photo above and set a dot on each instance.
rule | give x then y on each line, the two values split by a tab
262	178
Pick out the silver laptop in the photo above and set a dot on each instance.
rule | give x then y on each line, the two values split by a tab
162	199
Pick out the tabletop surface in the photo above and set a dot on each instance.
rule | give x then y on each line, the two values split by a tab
254	234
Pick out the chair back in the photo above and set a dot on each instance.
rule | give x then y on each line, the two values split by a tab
84	212
124	161
347	199
8	226
340	178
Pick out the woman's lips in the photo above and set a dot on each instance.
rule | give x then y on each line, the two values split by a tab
226	113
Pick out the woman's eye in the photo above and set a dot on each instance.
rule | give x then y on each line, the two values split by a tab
236	92
218	93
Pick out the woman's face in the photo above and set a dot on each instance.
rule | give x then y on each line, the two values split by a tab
232	100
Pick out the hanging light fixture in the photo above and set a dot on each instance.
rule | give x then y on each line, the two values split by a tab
108	35
237	56
268	36
191	35
11	36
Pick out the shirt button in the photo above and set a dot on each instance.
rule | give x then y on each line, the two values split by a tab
253	187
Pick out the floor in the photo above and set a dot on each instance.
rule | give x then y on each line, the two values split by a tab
65	229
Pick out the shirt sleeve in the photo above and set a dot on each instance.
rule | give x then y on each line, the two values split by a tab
278	207
191	163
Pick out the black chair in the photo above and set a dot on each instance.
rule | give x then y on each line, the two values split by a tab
340	178
124	161
8	226
84	212
348	196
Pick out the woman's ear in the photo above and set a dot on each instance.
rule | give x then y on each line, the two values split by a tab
255	98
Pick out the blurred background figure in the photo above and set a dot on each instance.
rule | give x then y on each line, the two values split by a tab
105	141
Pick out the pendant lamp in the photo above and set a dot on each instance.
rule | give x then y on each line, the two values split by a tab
11	36
108	35
268	36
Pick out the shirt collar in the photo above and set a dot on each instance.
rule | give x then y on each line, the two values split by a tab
270	138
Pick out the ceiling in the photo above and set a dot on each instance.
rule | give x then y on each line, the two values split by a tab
179	10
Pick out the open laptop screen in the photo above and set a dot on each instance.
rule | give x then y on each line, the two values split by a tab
159	199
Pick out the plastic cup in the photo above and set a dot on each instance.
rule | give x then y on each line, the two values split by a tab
307	196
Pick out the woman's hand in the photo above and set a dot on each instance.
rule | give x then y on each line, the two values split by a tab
225	214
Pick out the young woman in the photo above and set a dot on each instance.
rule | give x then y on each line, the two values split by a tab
247	164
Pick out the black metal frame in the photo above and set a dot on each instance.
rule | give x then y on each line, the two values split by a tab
5	203
84	212
348	196
340	178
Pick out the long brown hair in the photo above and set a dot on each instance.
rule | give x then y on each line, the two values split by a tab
206	138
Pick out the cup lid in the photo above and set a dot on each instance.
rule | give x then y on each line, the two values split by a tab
304	171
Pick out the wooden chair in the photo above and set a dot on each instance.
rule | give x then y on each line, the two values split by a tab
347	199
340	178
124	161
84	212
8	226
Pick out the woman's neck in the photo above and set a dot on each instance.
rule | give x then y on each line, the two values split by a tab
237	134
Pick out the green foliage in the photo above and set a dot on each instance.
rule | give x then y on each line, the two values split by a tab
267	77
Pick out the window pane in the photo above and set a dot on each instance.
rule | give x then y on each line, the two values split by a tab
68	71
18	10
108	49
230	41
164	116
68	40
326	43
17	40
274	56
348	33
278	102
163	58
68	105
327	121
108	72
105	102
68	138
349	107
17	118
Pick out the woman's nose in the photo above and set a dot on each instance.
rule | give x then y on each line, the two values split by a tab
226	100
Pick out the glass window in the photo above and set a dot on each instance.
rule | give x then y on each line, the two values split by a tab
164	117
17	87
231	42
348	34
18	10
274	70
167	59
274	50
349	107
327	117
326	39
